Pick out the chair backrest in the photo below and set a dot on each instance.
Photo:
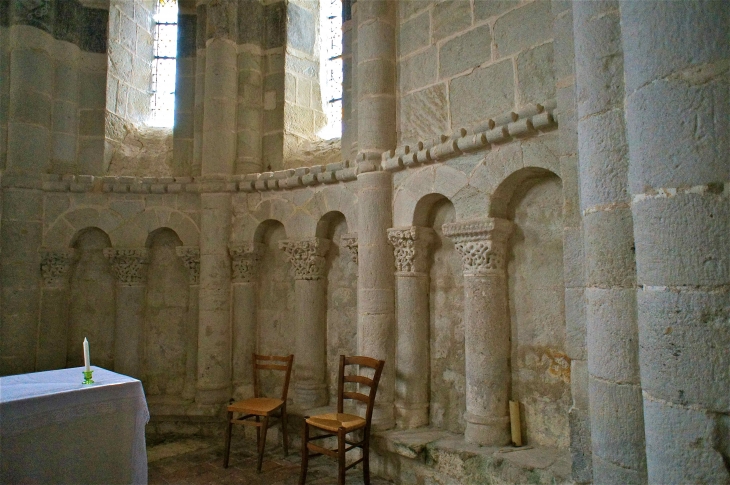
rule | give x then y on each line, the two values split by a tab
359	378
272	362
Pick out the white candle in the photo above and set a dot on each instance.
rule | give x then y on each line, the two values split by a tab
86	355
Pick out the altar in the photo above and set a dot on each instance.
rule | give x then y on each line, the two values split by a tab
55	430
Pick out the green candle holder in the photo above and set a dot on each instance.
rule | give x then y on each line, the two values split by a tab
87	376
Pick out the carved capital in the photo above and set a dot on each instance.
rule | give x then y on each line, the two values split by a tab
55	266
410	246
307	257
482	244
191	257
350	242
245	260
129	265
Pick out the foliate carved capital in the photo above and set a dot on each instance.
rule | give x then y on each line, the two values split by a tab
245	260
350	242
307	257
410	247
129	265
55	266
190	255
482	244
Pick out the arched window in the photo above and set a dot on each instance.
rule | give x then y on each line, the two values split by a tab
331	66
162	102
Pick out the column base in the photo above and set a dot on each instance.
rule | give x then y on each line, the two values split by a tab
487	431
383	416
310	395
413	416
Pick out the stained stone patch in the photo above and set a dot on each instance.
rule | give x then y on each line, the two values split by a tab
424	114
535	77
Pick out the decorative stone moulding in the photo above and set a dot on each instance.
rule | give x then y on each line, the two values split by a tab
190	255
128	265
307	257
410	247
481	243
245	260
504	128
350	242
55	265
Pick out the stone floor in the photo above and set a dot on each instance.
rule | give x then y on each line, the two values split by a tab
199	461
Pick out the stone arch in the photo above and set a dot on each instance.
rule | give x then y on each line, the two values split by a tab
135	232
278	210
326	223
335	198
65	230
469	201
517	182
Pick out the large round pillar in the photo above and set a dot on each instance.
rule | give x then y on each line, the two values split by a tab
310	286
245	261
130	270
676	58
617	420
412	357
482	245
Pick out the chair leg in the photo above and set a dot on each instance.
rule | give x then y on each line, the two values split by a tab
258	432
262	442
366	462
341	456
227	451
305	454
284	433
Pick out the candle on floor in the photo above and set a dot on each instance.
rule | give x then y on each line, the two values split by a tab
514	417
86	355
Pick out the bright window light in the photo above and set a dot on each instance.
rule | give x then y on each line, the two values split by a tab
162	103
331	67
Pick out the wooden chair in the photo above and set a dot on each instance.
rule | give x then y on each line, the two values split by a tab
340	424
261	409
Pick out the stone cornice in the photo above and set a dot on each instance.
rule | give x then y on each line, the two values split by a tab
307	257
481	243
245	260
129	265
190	255
55	266
410	247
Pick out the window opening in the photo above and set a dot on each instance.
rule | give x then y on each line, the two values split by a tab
162	103
331	66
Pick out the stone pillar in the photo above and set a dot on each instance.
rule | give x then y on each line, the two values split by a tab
185	79
347	92
412	330
676	58
191	257
245	262
310	287
214	319
612	335
201	11
375	284
52	331
376	130
130	269
483	247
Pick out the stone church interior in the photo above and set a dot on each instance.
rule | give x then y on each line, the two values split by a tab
521	206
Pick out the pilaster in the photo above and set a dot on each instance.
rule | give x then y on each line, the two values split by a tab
190	256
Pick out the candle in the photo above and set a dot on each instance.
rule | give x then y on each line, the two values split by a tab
86	355
514	418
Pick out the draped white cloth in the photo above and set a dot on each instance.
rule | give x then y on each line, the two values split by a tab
54	430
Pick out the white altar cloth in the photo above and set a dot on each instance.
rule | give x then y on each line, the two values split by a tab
54	430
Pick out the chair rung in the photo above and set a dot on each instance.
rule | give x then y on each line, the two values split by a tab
271	366
281	358
321	436
363	361
356	395
321	450
359	379
356	462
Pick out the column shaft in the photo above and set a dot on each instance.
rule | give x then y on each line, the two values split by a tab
612	334
678	133
53	326
191	258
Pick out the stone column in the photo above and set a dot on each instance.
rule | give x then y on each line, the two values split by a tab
214	319
412	355
347	72
52	331
130	269
245	262
376	131
191	257
612	334
201	11
310	365
676	58
483	247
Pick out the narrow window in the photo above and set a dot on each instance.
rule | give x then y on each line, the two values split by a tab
162	102
331	66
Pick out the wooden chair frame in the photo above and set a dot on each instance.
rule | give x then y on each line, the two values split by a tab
343	443
261	417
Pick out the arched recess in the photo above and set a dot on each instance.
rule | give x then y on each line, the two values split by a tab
92	300
341	295
275	297
134	232
165	330
334	198
533	199
249	228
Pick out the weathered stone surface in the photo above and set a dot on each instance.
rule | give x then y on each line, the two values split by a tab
449	17
535	78
467	51
486	92
523	27
424	113
414	34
